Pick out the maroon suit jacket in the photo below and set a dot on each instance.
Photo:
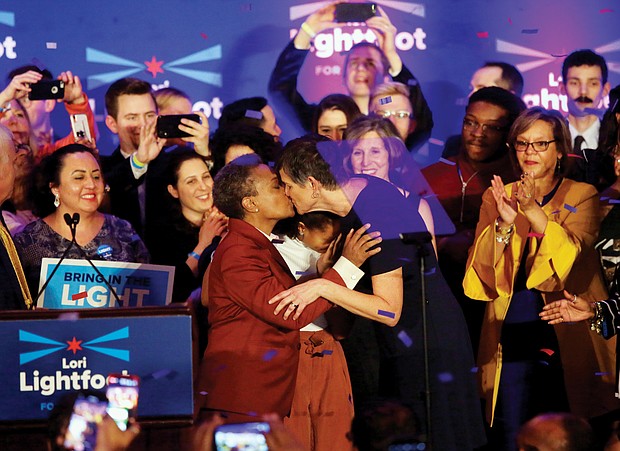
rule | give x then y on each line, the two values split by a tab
250	363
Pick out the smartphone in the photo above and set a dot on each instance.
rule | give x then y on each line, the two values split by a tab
168	125
87	413
355	12
122	394
241	436
47	89
79	125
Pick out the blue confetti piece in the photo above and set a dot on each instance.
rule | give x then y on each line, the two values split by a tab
386	313
385	100
161	374
430	272
614	201
570	208
412	82
254	114
474	369
529	31
269	355
603	373
451	163
445	377
327	352
406	339
555	212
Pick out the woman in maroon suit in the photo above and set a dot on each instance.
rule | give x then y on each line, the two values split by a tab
250	365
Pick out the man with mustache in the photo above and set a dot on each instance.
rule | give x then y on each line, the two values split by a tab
459	182
584	81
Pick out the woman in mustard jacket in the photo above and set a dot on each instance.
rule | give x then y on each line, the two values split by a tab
533	240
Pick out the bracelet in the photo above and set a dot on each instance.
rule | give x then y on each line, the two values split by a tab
308	29
195	255
596	323
503	234
504	230
136	163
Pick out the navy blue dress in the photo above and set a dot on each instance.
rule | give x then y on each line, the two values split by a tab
455	408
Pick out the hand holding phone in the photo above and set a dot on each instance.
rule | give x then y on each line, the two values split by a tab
81	433
47	89
168	125
122	394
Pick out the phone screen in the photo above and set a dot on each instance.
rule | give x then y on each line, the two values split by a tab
355	12
122	394
241	436
81	433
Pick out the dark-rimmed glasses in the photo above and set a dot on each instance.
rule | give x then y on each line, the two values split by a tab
538	146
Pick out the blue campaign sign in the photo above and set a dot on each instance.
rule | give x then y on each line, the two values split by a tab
77	285
46	358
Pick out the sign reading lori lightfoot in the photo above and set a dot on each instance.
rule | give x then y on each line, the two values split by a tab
44	359
77	285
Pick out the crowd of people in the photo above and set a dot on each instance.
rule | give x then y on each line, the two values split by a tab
470	305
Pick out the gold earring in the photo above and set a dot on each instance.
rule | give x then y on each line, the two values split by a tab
315	194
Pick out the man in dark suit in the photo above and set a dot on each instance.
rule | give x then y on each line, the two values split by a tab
135	168
14	294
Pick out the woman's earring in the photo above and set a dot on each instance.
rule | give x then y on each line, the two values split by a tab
558	167
56	200
107	188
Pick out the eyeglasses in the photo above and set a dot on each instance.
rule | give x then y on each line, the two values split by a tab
538	146
385	114
468	124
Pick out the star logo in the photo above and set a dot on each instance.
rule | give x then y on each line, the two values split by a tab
154	66
74	345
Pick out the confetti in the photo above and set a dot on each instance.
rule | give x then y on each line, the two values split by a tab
510	21
474	369
412	82
385	100
572	155
603	373
406	339
51	45
69	316
482	34
254	114
204	36
430	272
606	10
445	377
386	313
555	212
549	352
327	352
529	31
269	355
613	201
570	208
437	142
535	235
203	393
161	374
451	163
81	295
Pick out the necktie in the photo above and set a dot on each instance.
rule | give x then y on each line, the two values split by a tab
579	140
17	266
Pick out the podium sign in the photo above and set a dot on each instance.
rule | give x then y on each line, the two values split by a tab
42	359
77	285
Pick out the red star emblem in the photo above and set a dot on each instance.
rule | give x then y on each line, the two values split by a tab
74	345
154	66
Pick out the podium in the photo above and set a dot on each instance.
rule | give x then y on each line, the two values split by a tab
48	353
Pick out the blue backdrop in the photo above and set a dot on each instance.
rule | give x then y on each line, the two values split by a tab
221	50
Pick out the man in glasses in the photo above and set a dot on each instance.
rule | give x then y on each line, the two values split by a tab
459	182
390	100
